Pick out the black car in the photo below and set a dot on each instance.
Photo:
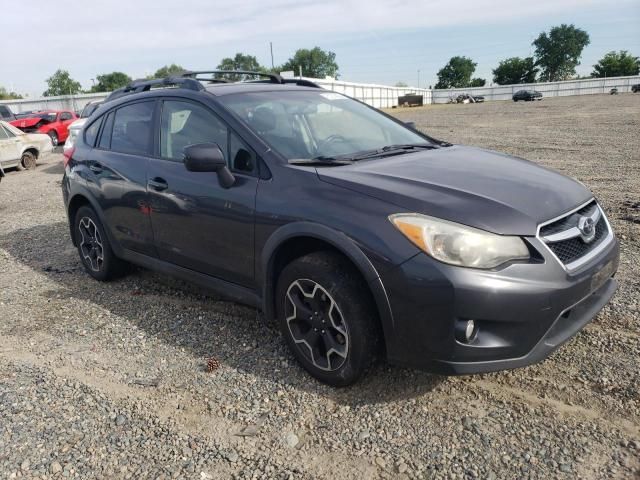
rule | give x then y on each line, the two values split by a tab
635	88
358	234
527	95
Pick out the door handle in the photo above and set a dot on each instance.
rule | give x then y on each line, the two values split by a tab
96	168
158	184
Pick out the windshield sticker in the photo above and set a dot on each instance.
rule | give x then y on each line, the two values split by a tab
332	96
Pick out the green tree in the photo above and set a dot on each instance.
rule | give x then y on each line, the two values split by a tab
616	64
240	62
168	71
515	70
108	82
401	84
558	52
457	73
61	83
315	63
477	82
7	95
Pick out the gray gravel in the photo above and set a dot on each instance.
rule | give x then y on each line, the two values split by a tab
110	380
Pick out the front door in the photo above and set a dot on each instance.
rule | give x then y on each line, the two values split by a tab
197	223
10	147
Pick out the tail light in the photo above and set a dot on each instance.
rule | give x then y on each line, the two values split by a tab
68	153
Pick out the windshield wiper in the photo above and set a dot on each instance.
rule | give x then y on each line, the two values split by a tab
397	149
322	161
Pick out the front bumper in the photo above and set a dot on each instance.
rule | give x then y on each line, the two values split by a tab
523	311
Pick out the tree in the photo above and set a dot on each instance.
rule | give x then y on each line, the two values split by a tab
558	52
515	70
401	84
240	62
616	64
168	71
477	82
7	95
457	73
61	83
315	63
108	82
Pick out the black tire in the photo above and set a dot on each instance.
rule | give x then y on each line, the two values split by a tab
53	135
96	254
28	160
342	310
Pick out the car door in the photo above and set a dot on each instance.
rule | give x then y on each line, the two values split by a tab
117	173
197	223
65	119
9	147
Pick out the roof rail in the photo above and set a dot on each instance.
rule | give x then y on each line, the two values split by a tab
143	85
273	77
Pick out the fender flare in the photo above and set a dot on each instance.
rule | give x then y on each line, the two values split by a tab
341	242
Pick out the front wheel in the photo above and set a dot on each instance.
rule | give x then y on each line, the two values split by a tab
327	319
53	135
94	248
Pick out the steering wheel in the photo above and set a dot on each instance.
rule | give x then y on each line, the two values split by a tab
329	140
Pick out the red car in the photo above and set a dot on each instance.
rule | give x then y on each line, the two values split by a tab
54	123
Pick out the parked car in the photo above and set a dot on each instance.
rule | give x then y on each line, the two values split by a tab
76	126
6	114
19	149
358	234
51	122
527	95
635	88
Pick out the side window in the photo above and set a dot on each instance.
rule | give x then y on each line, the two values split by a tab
186	123
105	138
132	129
241	157
65	116
8	132
4	112
91	132
3	133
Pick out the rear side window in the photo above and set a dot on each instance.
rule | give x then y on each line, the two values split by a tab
65	116
105	138
131	131
91	132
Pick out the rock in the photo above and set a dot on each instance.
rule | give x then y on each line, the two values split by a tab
25	465
565	467
121	420
55	467
291	439
380	462
363	435
233	456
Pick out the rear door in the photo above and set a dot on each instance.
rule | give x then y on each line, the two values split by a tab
197	223
9	147
118	173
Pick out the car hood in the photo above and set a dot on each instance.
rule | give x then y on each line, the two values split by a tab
480	188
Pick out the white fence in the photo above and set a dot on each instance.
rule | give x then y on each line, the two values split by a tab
379	96
551	89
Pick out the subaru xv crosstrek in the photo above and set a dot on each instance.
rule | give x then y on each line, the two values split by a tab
360	235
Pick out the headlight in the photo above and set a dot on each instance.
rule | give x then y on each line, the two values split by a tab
458	244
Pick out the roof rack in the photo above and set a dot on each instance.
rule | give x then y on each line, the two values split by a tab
273	77
142	85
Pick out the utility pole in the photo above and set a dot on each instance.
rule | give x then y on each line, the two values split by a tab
271	47
418	78
300	70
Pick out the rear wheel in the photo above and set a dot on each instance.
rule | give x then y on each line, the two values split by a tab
53	135
28	160
94	248
327	319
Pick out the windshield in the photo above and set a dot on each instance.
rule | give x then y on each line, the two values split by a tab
89	109
309	124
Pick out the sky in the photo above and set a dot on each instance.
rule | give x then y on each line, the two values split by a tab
375	41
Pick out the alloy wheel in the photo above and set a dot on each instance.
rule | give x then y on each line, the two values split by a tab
91	244
316	324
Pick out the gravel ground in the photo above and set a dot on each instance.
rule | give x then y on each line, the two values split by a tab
110	381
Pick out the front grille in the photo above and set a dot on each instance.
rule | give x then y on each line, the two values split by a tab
570	250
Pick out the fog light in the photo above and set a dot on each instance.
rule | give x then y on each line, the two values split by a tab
466	331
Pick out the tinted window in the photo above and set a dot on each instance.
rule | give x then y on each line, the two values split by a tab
65	116
186	123
91	132
132	129
4	112
241	157
105	138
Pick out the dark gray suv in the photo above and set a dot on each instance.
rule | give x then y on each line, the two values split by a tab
358	234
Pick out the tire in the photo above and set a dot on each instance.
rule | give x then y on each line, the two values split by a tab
339	340
28	160
53	135
94	248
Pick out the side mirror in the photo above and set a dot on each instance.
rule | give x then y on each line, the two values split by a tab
207	157
411	125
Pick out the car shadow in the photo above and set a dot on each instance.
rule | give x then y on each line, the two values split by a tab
53	168
188	317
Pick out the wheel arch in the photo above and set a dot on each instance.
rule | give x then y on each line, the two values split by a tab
31	149
297	239
78	200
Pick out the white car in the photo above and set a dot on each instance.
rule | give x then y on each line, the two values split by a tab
76	127
19	149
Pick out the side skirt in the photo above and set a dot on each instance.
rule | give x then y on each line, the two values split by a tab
229	290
